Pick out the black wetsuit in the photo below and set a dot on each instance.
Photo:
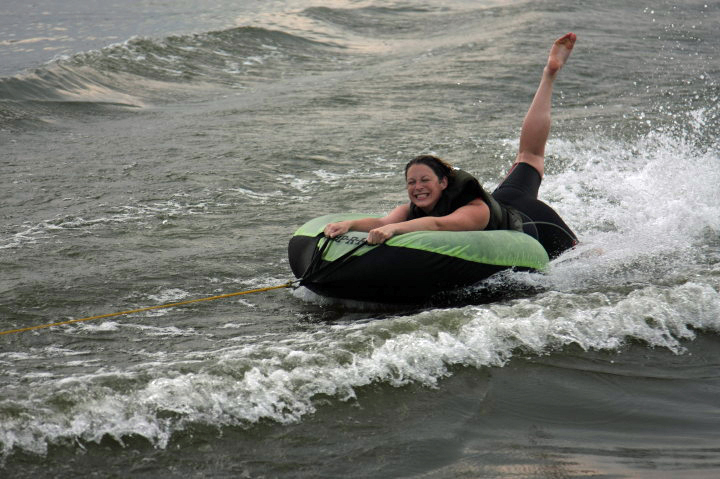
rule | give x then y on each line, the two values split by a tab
462	188
520	191
513	205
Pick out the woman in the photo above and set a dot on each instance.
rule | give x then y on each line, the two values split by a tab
444	199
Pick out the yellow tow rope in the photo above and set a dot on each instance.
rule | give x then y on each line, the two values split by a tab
161	306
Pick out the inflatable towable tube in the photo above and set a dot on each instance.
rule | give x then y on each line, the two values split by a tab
408	268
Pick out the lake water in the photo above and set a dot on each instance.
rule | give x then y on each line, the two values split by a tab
165	151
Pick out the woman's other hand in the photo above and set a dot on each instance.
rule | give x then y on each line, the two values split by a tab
381	234
333	230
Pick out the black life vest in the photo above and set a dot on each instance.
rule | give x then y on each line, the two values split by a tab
462	189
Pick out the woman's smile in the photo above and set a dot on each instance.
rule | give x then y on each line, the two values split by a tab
424	187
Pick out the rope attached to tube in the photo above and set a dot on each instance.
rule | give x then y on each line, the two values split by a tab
289	284
314	269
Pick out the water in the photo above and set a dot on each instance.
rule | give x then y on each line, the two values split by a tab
168	152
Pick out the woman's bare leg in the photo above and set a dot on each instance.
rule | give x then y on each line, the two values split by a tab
536	126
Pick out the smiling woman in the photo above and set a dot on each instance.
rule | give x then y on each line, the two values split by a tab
292	108
424	184
441	199
444	199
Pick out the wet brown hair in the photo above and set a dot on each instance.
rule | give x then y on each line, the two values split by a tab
440	167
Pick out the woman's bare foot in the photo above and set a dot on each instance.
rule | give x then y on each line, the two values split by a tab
560	52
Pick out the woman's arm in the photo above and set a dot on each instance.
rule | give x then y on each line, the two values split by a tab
367	224
472	217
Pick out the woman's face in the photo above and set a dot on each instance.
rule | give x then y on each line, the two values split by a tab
424	187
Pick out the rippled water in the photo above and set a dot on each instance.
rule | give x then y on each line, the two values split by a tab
175	161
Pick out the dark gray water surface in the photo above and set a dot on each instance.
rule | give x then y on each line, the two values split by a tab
172	150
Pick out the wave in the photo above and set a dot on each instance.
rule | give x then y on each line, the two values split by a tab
647	272
267	379
164	211
144	70
625	294
139	70
386	20
646	209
